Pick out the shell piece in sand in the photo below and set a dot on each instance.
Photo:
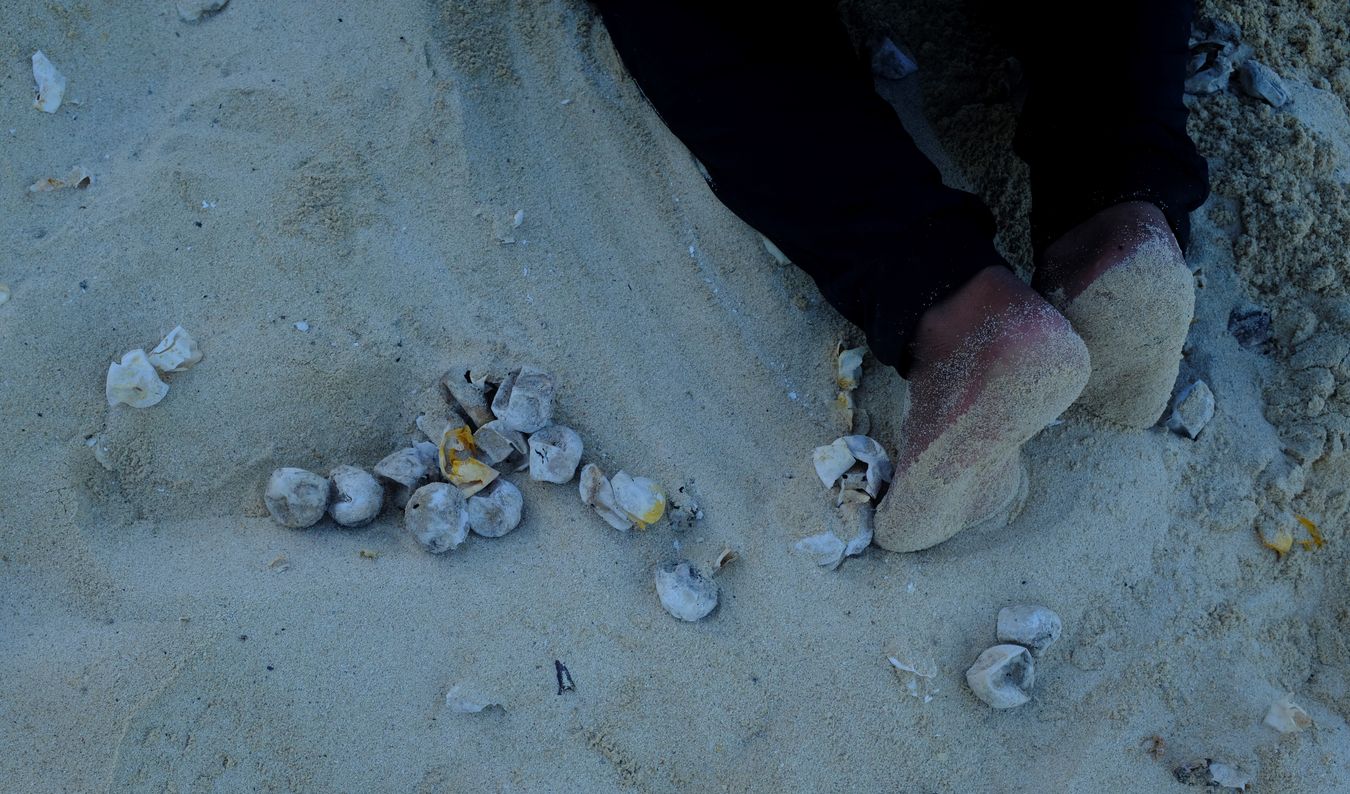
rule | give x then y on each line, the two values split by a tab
357	496
1002	676
597	492
879	468
4	292
408	469
51	84
849	369
134	382
1036	627
524	401
175	352
458	464
296	498
831	461
827	549
495	511
684	592
437	515
1286	716
638	498
555	452
469	394
468	699
497	443
79	177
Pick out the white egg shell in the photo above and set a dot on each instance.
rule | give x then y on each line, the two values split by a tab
831	461
176	352
597	492
639	498
495	511
555	452
296	498
51	84
134	382
1002	676
524	401
684	592
437	515
357	496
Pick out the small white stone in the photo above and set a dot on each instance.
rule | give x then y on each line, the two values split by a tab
495	511
1191	410
1036	627
638	498
357	496
193	10
555	452
176	352
1002	676
597	492
296	498
134	382
524	401
51	84
437	515
684	592
517	219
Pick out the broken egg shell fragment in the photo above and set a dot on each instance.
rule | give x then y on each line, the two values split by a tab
408	469
597	492
437	515
4	292
193	10
466	699
879	468
638	498
849	369
133	381
684	592
524	401
51	84
79	177
496	511
435	427
296	498
831	461
469	395
458	464
357	496
1003	676
555	452
1036	627
1286	716
175	352
825	549
496	442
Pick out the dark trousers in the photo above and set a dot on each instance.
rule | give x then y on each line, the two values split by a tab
779	108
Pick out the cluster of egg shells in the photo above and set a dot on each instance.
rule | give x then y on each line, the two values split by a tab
451	484
135	380
1003	675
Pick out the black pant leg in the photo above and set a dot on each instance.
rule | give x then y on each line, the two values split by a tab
1104	120
777	106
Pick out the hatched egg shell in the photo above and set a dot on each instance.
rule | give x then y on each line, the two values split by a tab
437	515
134	382
175	352
296	498
496	442
471	476
1002	676
51	84
638	498
468	699
849	369
1286	716
470	395
193	10
832	460
496	511
825	549
684	592
1036	627
597	492
524	401
357	496
555	452
869	451
410	466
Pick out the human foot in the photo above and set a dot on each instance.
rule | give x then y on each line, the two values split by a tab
993	364
1121	280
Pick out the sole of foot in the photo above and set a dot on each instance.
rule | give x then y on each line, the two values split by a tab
969	473
1131	298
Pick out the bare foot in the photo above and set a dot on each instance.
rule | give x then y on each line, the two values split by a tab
1121	280
993	364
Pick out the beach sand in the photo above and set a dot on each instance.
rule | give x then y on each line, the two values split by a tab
356	167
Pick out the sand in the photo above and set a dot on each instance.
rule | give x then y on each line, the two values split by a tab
356	168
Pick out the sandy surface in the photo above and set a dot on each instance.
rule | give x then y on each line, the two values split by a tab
356	166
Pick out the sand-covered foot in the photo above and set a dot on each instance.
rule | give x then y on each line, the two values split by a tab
1122	282
994	364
